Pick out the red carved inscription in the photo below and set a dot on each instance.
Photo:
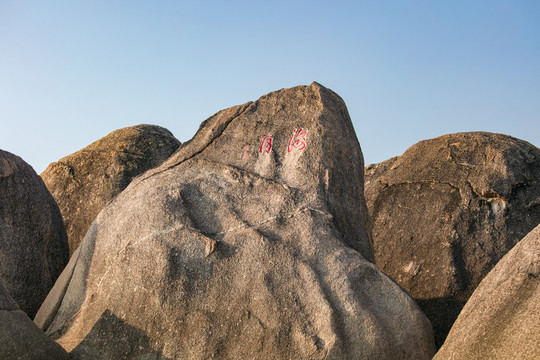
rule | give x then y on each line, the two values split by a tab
297	140
266	144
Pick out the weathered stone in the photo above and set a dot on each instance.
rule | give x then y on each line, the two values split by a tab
20	338
233	249
373	171
501	320
84	182
33	243
447	210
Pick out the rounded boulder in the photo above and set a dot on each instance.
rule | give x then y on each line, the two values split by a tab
33	242
447	210
84	182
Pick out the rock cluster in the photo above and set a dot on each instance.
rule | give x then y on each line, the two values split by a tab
251	241
33	243
447	210
84	182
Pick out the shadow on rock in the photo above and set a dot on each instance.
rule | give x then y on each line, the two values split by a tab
442	312
74	275
129	342
202	210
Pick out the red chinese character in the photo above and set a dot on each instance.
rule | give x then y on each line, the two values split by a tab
266	144
245	156
298	140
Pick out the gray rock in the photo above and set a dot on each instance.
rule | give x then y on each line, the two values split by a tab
33	243
84	182
233	249
20	338
447	210
501	320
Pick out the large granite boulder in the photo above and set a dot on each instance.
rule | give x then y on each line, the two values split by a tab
241	245
501	320
20	338
33	243
84	182
447	210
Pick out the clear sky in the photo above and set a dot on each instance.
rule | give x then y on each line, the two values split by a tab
73	71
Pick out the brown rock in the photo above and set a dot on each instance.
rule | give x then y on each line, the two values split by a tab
20	338
447	210
33	243
501	320
372	172
231	249
84	182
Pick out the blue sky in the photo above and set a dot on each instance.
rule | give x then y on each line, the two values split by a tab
73	71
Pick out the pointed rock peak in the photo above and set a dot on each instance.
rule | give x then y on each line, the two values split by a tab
301	137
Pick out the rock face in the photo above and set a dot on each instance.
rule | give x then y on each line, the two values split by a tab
84	182
20	338
33	243
501	320
372	172
447	210
233	249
